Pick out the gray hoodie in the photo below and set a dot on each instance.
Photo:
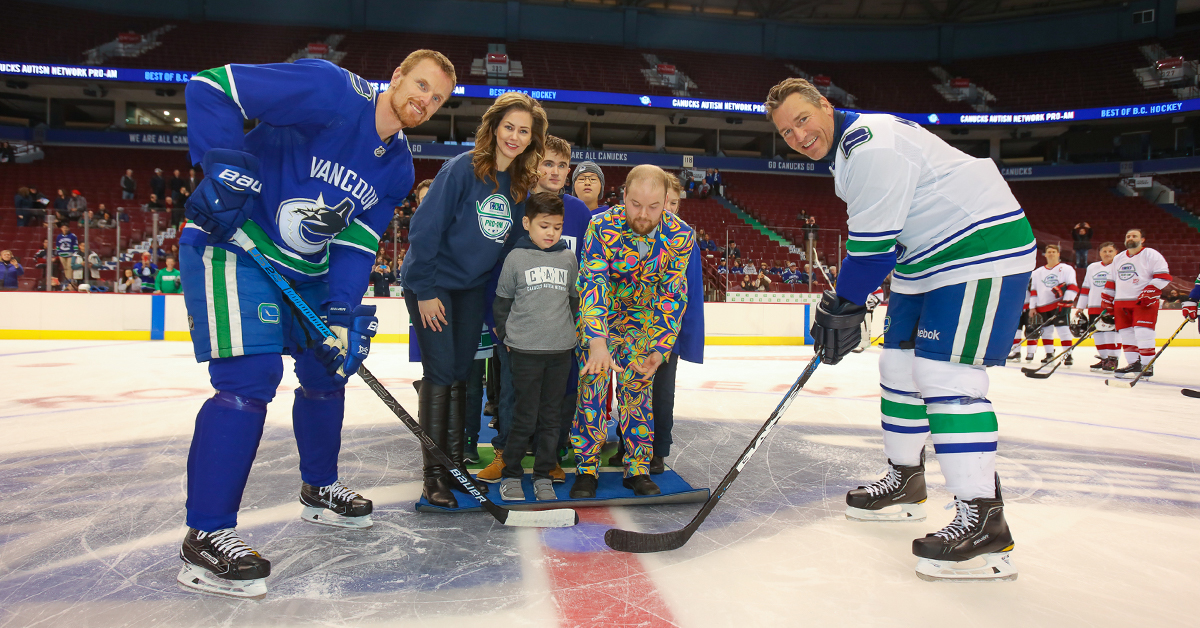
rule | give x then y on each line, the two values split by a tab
536	298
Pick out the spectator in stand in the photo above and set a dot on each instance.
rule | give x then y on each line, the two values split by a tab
10	270
153	204
106	221
192	180
146	271
174	184
7	154
762	283
128	185
60	203
382	276
87	259
122	215
40	202
778	267
76	205
718	184
733	251
1081	233
167	281
158	186
180	195
705	185
42	255
65	245
792	274
23	202
721	270
750	268
736	267
810	236
746	284
1172	300
130	283
89	220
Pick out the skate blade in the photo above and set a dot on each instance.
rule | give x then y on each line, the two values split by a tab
995	567
899	513
325	517
196	578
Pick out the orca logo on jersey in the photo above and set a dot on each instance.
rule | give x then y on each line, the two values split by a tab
1127	271
494	217
307	225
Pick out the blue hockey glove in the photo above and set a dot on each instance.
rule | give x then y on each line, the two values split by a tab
342	356
223	201
837	327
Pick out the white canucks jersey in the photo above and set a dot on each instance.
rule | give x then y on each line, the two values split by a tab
1044	280
1131	274
1092	288
950	217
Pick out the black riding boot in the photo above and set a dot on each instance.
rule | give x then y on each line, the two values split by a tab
456	437
433	411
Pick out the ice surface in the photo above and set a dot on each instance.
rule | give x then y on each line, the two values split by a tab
1102	490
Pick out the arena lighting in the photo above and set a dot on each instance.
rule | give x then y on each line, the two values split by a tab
682	103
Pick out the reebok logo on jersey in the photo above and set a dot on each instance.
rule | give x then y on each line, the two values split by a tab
855	138
929	335
239	181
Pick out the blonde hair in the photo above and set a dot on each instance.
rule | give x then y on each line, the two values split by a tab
786	88
557	145
417	56
648	171
421	186
523	169
675	186
1053	246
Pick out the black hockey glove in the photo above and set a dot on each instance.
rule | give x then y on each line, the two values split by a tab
837	327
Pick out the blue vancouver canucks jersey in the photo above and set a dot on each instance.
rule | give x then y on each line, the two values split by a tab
330	184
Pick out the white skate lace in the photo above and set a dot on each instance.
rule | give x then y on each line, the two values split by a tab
228	543
966	519
339	491
886	484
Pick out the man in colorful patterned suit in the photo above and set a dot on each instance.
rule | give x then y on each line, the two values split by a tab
632	289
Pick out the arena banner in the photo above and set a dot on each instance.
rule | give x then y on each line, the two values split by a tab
684	103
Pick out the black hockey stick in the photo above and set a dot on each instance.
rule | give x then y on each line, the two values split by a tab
1116	383
1191	392
645	542
1056	361
557	518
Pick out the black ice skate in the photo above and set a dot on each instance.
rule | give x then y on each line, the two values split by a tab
335	505
220	563
898	496
1110	365
1046	360
1099	366
1131	371
1067	361
974	547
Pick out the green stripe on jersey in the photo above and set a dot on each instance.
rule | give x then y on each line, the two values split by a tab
869	247
267	247
220	76
979	310
221	312
1014	234
359	236
962	423
896	410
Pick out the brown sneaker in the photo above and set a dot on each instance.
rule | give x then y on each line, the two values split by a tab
557	475
491	473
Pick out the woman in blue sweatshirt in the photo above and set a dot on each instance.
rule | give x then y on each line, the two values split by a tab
454	242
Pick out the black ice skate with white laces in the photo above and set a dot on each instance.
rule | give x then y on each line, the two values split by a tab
335	505
220	563
974	547
898	496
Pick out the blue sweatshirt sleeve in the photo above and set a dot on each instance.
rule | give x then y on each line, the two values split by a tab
219	100
862	274
428	224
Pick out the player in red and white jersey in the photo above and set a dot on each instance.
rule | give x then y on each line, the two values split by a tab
1091	293
1052	291
1135	282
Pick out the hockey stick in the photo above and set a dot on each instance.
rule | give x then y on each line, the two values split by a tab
557	518
1190	392
1037	374
1130	384
644	542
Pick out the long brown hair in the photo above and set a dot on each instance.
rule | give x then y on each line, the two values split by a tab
523	169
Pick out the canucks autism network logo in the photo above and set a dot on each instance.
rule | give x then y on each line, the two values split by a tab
307	225
494	217
1127	271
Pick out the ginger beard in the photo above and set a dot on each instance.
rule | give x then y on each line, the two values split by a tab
644	203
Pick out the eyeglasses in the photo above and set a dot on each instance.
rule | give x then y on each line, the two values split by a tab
587	178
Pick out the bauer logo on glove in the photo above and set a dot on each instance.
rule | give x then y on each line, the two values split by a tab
239	182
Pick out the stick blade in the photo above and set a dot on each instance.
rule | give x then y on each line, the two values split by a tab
1117	383
1188	392
1028	370
557	518
1036	374
644	543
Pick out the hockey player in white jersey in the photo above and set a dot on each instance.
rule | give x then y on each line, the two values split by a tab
962	252
1138	276
1052	291
1091	293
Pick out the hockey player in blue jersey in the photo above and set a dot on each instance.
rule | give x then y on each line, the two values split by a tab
313	185
962	252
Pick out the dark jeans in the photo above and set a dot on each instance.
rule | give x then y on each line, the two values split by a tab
1081	257
504	408
447	355
570	400
474	400
663	402
539	380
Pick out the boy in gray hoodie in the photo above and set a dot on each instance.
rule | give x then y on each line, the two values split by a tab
535	308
